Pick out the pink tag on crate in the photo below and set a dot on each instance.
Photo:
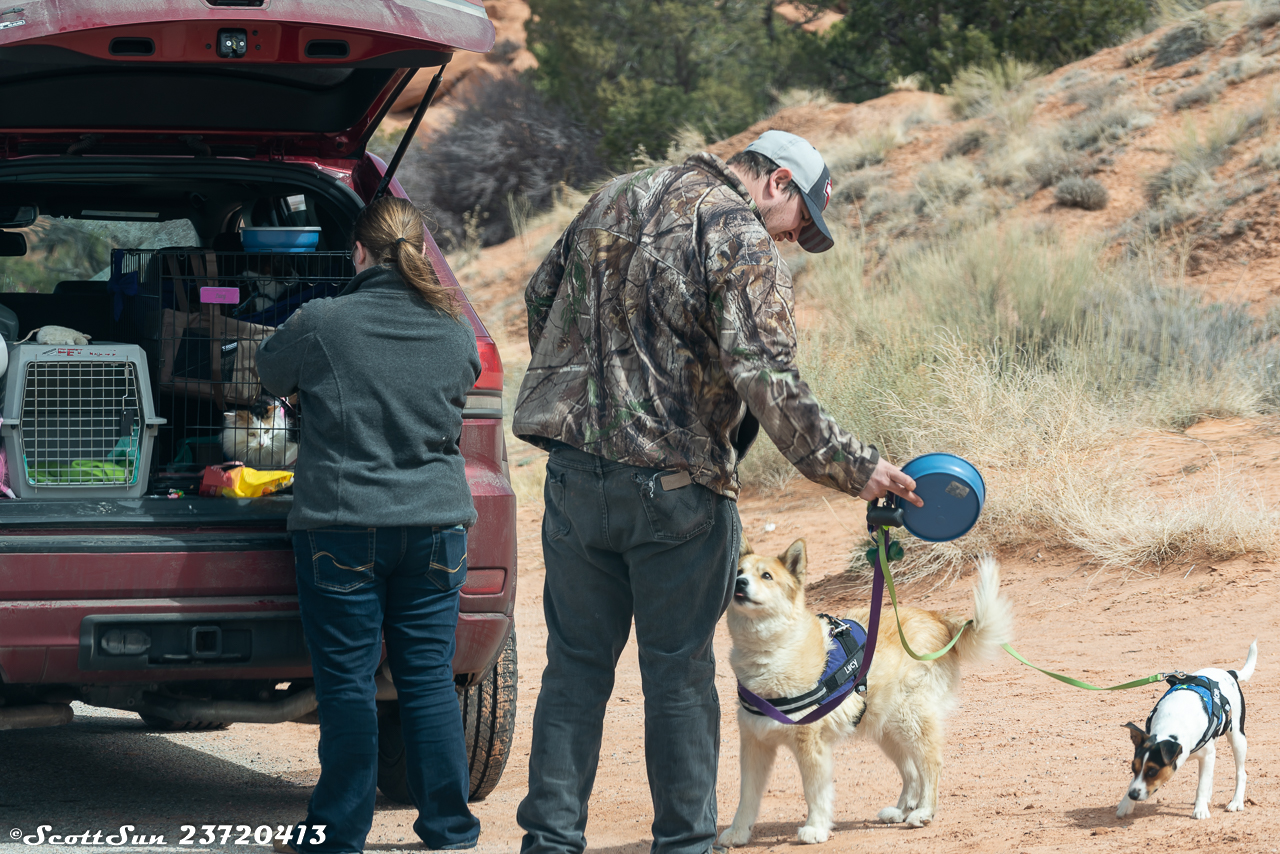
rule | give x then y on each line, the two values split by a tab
223	296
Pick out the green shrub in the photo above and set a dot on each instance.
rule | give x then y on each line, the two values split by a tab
1186	40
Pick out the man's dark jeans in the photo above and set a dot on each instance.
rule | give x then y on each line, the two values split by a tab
618	545
356	585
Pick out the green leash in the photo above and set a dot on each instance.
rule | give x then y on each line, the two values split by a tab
882	535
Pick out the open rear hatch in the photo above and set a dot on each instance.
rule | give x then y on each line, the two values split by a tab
241	78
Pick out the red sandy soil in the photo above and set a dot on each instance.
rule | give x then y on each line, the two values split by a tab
1032	765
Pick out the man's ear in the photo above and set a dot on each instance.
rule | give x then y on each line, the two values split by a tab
795	559
779	178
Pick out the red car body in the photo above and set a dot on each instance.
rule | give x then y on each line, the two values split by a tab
64	565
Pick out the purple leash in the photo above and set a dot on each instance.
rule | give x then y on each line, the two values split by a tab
873	630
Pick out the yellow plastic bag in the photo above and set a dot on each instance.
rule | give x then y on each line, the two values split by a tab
237	481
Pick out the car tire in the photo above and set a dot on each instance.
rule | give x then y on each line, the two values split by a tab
157	722
489	723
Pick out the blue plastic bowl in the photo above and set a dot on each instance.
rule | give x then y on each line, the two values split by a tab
953	493
280	239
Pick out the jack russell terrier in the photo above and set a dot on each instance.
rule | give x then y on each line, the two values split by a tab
1184	724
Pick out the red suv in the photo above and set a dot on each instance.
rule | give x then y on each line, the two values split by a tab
141	144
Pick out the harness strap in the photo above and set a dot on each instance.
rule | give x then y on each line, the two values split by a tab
1240	691
1216	706
831	690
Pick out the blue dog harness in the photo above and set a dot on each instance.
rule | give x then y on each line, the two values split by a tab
844	660
1216	706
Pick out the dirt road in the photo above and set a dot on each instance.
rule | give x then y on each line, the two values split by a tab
1032	765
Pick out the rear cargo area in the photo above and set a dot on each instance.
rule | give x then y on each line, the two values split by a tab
131	362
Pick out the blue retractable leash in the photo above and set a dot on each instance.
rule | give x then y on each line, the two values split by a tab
953	493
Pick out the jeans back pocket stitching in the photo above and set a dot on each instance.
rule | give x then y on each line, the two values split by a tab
366	570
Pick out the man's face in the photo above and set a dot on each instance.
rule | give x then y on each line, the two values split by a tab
784	215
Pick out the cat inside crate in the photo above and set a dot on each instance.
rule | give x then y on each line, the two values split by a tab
260	436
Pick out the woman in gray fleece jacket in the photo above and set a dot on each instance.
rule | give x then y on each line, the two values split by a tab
380	511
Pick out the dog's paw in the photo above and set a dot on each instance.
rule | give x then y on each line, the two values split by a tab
735	837
1125	807
890	815
918	818
1236	806
812	835
1201	811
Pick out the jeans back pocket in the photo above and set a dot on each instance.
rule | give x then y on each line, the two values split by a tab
342	558
448	567
675	515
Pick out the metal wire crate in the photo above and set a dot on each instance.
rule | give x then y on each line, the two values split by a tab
78	420
202	315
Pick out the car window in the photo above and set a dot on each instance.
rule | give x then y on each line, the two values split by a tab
64	249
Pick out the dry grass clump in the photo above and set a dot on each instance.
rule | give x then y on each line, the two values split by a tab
1203	94
1269	157
1263	15
944	183
869	148
1091	129
800	98
1245	66
856	186
1085	193
1218	521
909	83
1098	95
1001	89
969	141
1034	360
1054	164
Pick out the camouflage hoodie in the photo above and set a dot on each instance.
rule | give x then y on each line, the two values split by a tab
661	329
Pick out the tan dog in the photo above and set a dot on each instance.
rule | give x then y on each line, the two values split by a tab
780	650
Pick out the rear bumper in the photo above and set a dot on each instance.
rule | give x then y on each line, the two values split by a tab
45	641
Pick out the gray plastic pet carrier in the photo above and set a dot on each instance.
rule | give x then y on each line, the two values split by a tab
78	421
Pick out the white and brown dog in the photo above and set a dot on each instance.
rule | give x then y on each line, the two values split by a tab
1184	724
780	650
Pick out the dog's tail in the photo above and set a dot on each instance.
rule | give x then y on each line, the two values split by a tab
992	617
1245	672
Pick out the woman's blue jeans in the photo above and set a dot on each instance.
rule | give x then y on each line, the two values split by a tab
357	586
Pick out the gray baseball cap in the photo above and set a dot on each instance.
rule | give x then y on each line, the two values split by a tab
810	174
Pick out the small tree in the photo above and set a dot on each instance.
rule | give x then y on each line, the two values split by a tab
506	147
880	40
639	69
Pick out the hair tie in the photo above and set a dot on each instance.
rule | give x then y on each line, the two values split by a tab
402	240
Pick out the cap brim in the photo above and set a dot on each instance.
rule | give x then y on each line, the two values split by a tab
815	237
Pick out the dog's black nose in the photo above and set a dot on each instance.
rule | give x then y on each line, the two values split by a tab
740	586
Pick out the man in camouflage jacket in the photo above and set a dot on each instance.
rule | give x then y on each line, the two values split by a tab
663	335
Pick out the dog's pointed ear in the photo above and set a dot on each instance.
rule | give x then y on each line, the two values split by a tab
1137	733
795	559
744	549
1169	750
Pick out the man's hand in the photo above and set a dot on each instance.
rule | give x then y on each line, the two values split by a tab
889	478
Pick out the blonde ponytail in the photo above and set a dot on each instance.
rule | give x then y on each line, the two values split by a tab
393	232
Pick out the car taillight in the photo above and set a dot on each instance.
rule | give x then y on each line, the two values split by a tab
490	365
485	399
